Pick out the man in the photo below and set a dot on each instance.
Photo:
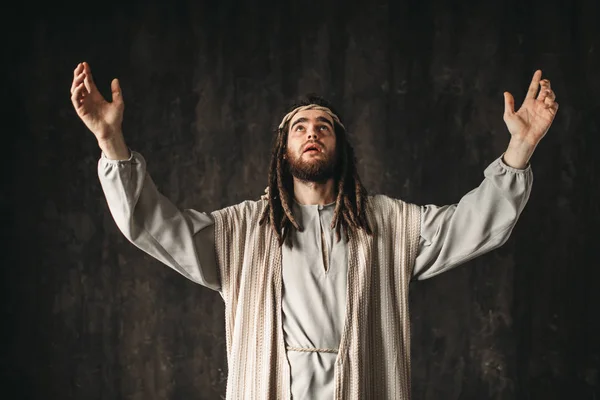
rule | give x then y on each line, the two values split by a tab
315	274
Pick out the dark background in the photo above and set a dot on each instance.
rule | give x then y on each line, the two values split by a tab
86	315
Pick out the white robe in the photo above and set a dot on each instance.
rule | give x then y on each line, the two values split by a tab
315	264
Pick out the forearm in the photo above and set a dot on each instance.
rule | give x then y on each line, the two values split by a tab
518	153
115	147
480	222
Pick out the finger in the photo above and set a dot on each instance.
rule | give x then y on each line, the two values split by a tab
76	81
115	88
88	70
548	97
553	109
509	104
544	89
548	102
535	83
77	69
78	95
544	93
545	83
90	85
80	91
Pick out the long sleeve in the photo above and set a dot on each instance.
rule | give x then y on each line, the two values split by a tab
183	240
481	221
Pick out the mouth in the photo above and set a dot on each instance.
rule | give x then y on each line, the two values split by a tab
311	149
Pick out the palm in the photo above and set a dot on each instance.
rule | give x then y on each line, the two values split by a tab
533	119
104	119
98	114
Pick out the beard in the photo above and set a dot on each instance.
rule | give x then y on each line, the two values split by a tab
316	169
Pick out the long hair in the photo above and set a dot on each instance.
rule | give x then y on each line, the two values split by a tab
351	195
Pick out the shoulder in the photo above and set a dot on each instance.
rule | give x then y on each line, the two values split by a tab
382	207
241	221
246	207
394	213
381	201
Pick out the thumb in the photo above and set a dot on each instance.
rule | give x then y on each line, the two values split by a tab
509	104
115	88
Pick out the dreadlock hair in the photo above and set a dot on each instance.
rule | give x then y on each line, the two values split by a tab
351	196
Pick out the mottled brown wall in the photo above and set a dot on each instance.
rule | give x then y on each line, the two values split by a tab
86	315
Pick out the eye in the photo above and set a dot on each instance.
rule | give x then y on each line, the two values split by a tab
299	128
324	128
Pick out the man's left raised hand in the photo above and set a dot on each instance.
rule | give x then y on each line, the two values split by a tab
531	122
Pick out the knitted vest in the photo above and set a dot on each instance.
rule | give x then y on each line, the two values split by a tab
374	354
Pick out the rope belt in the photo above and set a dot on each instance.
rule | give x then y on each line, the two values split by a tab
311	350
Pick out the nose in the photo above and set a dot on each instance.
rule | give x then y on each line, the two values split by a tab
312	132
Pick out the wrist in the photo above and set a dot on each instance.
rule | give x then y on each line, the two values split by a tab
518	153
114	147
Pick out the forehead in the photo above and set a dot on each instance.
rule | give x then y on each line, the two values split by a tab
311	115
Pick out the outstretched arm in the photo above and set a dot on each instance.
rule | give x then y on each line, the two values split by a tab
183	240
484	218
481	221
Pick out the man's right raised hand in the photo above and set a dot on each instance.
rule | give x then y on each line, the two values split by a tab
104	119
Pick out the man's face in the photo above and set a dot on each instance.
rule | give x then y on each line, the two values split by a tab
311	152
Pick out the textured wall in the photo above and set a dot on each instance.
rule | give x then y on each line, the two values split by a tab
86	315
